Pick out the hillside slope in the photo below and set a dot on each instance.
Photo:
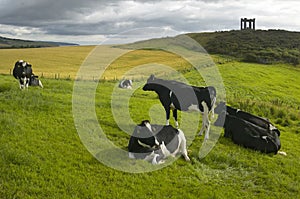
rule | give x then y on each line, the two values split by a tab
18	43
260	46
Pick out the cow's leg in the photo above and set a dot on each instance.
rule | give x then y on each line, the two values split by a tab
26	80
175	117
22	83
203	125
207	128
213	104
167	109
205	121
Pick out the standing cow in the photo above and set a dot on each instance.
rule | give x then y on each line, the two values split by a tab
248	130
179	96
23	72
155	143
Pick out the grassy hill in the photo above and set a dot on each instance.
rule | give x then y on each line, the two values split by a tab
42	155
18	43
260	46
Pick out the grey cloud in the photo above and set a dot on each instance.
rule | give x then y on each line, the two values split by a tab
94	17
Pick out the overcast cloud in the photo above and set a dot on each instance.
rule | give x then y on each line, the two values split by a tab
91	21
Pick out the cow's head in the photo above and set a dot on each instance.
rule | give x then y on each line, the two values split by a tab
220	108
144	133
221	119
152	84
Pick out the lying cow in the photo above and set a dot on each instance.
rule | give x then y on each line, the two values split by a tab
179	96
155	143
22	71
34	81
222	110
248	130
127	84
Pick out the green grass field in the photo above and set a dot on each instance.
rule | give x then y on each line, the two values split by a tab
42	155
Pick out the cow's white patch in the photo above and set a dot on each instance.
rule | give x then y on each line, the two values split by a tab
193	107
168	122
205	121
264	137
148	125
282	153
143	144
172	106
182	145
176	124
131	155
156	142
40	84
164	150
271	127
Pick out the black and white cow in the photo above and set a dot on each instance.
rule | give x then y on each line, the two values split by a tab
22	71
126	83
34	81
155	143
248	130
223	110
179	96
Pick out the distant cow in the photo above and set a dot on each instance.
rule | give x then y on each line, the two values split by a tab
22	71
179	96
34	81
126	84
248	130
155	143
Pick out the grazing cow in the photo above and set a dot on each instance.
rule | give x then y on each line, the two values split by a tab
34	81
248	130
179	96
22	71
127	84
155	143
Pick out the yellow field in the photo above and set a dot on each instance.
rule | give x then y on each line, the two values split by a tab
64	62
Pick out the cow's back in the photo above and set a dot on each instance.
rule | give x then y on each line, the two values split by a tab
259	121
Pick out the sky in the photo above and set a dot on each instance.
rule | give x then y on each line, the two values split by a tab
88	22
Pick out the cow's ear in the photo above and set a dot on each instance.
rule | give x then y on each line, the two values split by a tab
152	77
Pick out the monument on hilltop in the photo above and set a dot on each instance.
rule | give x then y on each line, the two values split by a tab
247	23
